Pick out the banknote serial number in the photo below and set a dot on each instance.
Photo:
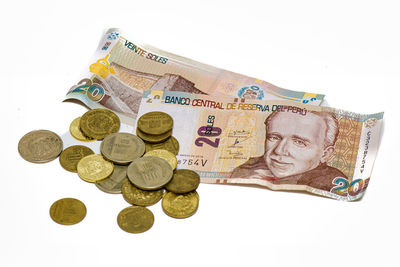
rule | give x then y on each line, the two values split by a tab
208	131
195	162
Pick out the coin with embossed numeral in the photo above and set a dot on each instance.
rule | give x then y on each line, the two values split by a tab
149	173
70	156
68	211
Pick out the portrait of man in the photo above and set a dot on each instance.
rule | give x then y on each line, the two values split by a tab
297	148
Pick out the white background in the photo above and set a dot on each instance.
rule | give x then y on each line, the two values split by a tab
348	50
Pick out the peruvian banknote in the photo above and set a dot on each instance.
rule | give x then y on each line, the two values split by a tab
282	145
122	69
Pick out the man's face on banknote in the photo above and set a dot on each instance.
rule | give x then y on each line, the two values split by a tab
294	143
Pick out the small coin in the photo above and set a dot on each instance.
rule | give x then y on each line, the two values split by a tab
94	168
183	181
40	146
149	173
70	156
137	196
155	123
135	219
153	138
122	148
180	205
171	144
98	123
164	154
113	183
68	211
76	132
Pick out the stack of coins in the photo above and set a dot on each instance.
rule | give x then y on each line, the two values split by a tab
140	167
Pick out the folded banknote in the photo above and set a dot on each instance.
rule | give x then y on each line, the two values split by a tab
282	145
122	69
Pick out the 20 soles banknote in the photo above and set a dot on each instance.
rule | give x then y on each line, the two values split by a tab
282	145
122	69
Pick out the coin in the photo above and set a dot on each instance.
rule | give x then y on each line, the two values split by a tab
98	123
68	211
70	157
40	146
155	123
136	196
76	132
183	181
113	183
94	168
122	148
149	173
135	219
153	138
180	205
164	154
171	144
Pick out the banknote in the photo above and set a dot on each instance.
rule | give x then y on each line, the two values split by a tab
122	69
282	145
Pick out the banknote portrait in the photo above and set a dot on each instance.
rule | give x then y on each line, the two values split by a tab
296	150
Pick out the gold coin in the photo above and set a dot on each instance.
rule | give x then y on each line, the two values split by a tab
153	138
76	132
171	144
164	154
183	181
68	211
98	123
113	183
136	196
122	148
155	123
180	205
40	146
149	173
135	219
70	157
94	168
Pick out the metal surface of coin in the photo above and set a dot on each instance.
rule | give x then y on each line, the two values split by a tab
180	205
153	138
149	173
135	219
183	181
94	168
164	154
98	123
40	146
70	156
136	196
171	144
76	132
113	183
155	123
122	148
68	211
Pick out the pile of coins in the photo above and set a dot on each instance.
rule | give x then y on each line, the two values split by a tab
138	166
